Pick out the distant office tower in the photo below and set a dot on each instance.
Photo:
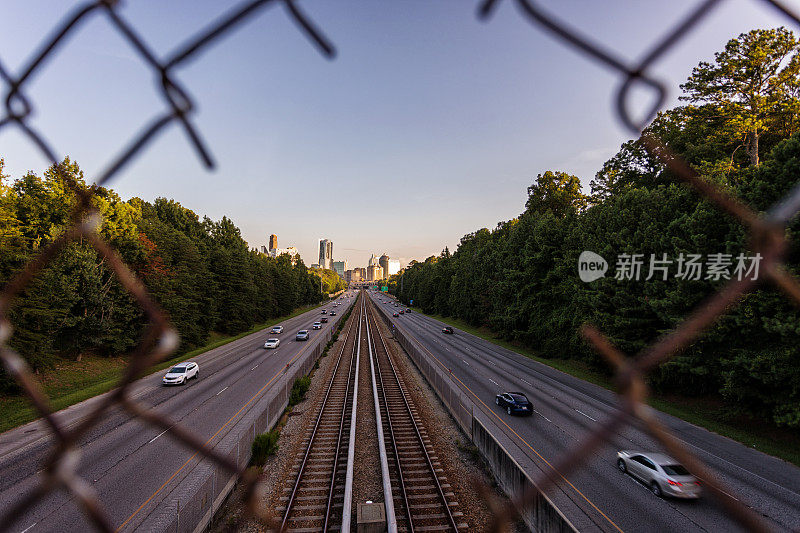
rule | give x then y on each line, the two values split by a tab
340	267
273	242
373	260
374	273
353	275
326	254
361	272
384	262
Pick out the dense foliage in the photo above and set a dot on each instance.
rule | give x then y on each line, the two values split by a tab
521	278
330	280
200	271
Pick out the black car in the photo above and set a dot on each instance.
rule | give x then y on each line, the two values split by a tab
332	313
514	403
395	314
448	330
323	319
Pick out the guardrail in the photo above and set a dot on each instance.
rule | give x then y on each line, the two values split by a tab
196	498
492	443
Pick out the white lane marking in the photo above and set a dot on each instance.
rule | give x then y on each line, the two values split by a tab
465	361
29	527
493	381
495	364
587	416
254	367
154	438
525	381
540	414
223	390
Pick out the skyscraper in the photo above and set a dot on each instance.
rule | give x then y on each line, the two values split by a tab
326	254
273	242
384	262
340	267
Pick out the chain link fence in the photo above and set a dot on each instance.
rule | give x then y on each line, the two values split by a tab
767	237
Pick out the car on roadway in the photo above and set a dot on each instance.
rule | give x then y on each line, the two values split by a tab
408	310
395	314
514	402
323	319
271	344
302	335
448	330
276	330
316	325
662	474
324	312
401	311
181	373
332	313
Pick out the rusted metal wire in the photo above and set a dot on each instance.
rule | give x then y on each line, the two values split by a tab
767	236
766	231
159	338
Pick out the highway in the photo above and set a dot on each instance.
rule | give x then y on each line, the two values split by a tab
566	408
132	466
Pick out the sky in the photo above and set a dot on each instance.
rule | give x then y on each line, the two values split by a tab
428	125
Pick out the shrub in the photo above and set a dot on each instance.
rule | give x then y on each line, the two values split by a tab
299	390
264	446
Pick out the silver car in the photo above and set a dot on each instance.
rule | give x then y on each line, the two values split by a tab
662	474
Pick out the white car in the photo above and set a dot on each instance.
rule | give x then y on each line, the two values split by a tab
271	344
316	325
181	373
663	475
276	330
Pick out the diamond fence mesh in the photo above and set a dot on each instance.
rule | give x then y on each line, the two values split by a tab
767	234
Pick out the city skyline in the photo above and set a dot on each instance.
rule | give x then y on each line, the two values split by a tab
456	124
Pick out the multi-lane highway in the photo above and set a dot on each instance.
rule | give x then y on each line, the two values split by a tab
566	408
134	467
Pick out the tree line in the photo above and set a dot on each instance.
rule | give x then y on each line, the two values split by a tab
200	271
738	127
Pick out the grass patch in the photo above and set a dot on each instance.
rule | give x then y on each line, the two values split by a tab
71	382
264	446
708	413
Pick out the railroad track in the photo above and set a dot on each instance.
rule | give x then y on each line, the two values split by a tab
316	500
423	500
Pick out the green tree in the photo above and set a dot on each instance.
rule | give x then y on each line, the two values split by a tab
557	192
752	84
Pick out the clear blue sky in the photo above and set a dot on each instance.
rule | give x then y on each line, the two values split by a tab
428	125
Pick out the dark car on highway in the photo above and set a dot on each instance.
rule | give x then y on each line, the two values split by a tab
401	311
514	403
408	310
448	330
332	313
395	314
323	319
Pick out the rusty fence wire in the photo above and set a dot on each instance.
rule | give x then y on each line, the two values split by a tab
767	237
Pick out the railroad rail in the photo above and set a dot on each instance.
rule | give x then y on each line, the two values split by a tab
422	497
318	500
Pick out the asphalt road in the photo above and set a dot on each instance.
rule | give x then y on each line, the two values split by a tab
133	466
566	408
